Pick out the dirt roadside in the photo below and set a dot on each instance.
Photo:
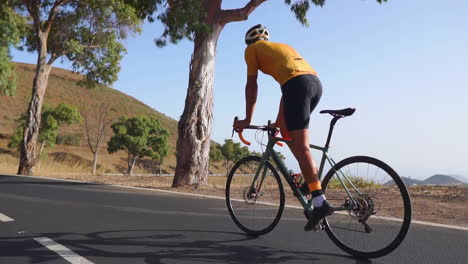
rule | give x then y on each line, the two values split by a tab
437	204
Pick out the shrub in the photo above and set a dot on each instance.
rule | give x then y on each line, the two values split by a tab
69	140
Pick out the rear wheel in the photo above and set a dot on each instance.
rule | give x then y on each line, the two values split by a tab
255	210
376	218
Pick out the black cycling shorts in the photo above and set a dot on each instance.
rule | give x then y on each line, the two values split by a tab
301	95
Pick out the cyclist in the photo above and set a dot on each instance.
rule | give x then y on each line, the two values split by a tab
301	91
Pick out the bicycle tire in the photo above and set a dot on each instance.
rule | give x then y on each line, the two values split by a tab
351	248
235	214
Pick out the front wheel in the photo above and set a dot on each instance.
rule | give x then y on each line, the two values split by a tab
255	204
373	207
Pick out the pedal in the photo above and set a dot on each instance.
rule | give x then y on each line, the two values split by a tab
368	228
319	227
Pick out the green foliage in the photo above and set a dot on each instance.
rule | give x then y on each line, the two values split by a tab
145	8
281	156
17	138
7	75
232	152
12	26
140	136
69	140
359	182
215	153
51	120
86	32
183	19
228	150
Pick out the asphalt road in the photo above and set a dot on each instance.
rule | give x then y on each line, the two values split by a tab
52	221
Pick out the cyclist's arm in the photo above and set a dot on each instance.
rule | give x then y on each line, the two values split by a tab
251	89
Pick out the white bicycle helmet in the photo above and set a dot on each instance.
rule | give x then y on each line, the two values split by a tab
256	33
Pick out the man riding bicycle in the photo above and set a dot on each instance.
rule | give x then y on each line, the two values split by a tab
301	91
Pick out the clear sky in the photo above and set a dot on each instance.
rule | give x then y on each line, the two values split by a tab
403	65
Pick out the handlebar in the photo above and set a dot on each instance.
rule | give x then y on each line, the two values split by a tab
268	128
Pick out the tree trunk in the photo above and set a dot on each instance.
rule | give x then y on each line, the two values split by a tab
194	127
38	157
95	161
160	166
131	164
31	131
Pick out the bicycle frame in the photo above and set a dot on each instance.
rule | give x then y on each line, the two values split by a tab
306	204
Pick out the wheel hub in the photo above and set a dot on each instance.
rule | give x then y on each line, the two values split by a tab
250	195
364	207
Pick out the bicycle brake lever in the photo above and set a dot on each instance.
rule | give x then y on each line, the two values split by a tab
233	130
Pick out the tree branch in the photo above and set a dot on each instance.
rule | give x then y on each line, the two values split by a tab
213	8
240	14
33	10
88	134
53	13
55	56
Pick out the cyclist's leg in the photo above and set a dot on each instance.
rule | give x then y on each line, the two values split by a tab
300	96
300	148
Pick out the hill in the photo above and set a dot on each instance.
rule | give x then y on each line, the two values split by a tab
62	88
461	178
411	182
437	179
440	179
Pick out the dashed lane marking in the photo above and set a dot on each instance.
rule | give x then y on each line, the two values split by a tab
62	251
4	218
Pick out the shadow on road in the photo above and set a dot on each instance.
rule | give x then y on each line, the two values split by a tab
169	246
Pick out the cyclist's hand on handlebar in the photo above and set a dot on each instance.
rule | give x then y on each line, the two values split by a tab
239	125
274	125
277	126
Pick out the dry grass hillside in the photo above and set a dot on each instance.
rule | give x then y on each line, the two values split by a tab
77	159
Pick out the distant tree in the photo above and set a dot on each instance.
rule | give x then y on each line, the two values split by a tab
232	152
240	152
95	126
256	153
162	157
162	144
202	21
281	156
215	153
140	137
86	32
228	151
12	27
52	119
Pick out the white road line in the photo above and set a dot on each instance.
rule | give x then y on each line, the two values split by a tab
222	198
4	218
64	252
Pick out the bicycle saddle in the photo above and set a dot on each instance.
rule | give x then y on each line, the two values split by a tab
340	113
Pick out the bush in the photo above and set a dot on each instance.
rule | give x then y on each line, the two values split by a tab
359	182
69	140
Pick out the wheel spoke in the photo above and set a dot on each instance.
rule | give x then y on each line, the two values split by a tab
255	210
370	229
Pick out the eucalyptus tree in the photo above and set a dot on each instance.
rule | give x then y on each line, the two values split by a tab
139	137
202	22
85	32
51	120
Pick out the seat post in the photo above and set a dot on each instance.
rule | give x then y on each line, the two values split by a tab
330	131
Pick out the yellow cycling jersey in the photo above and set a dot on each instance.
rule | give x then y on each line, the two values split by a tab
279	60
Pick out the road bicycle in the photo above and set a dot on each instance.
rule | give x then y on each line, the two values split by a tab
372	205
